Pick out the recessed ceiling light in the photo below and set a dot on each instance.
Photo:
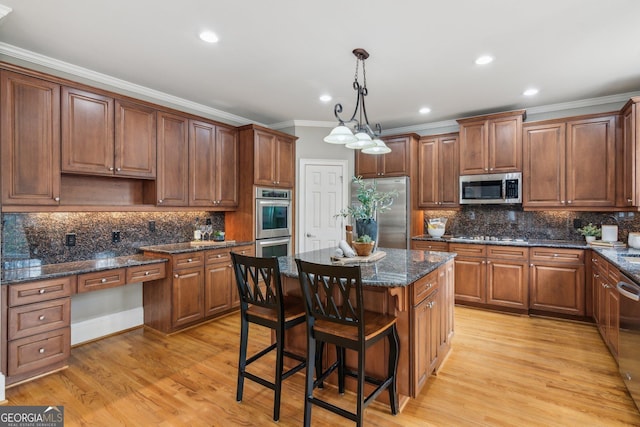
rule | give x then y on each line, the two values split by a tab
484	60
530	92
325	98
209	37
425	110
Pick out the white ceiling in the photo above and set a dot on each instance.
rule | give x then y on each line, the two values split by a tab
276	57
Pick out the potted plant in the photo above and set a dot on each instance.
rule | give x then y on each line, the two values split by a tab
590	232
218	236
363	245
370	201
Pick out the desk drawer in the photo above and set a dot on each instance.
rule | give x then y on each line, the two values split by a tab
38	351
101	280
42	290
188	260
145	273
36	318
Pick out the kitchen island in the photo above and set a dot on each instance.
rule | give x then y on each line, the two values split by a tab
415	286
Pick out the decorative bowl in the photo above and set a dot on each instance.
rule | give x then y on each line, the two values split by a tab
363	249
435	232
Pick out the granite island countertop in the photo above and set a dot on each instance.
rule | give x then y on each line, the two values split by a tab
179	248
50	271
400	267
549	243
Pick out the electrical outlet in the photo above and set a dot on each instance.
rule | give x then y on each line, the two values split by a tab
70	239
152	226
577	223
115	236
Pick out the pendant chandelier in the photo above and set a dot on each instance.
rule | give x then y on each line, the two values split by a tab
363	136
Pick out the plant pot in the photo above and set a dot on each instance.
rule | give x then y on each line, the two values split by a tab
368	227
363	249
589	239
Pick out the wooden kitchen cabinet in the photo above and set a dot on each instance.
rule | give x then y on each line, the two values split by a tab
218	282
606	301
570	163
438	171
274	154
135	140
187	296
491	143
38	327
630	123
29	140
429	245
557	281
396	163
426	320
172	183
470	272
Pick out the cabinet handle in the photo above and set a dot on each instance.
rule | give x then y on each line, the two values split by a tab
57	199
103	280
146	273
176	275
189	260
160	201
569	201
41	317
41	291
111	168
41	351
118	169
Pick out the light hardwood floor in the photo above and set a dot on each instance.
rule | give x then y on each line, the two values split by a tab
504	370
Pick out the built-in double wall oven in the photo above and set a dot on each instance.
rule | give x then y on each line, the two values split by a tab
274	216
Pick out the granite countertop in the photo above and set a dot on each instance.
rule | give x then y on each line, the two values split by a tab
572	244
617	258
399	267
50	271
178	248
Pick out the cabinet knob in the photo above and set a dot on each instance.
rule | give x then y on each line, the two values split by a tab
103	280
484	262
111	169
160	201
230	265
118	169
41	351
530	265
176	275
219	256
189	260
555	255
569	201
596	275
629	200
41	317
146	273
488	262
41	291
57	199
490	169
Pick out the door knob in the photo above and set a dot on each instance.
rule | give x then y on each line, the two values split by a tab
311	235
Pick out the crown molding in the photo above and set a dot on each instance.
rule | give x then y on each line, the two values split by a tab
583	103
65	67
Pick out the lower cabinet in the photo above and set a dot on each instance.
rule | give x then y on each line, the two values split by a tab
38	327
199	286
557	281
606	301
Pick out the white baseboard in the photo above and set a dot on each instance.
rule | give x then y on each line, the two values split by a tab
92	329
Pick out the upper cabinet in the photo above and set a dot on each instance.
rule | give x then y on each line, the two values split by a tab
172	183
570	163
491	144
630	122
103	136
274	156
29	140
438	171
396	163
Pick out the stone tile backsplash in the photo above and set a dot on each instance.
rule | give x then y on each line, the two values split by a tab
510	221
39	238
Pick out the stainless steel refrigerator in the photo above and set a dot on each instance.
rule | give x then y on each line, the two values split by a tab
393	224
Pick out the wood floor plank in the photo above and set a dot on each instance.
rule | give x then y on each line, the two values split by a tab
504	370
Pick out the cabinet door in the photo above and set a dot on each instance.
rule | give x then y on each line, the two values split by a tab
285	162
395	163
473	148
366	165
591	162
470	278
558	288
29	140
172	183
505	144
217	293
448	174
426	338
187	296
508	283
612	317
629	118
544	166
202	163
226	167
87	132
428	173
265	145
135	140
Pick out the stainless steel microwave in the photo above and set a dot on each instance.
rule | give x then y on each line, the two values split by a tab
497	188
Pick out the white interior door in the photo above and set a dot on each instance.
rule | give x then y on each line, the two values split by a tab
324	191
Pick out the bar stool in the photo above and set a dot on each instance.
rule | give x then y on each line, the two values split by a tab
336	315
262	303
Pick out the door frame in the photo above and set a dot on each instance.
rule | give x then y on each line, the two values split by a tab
302	193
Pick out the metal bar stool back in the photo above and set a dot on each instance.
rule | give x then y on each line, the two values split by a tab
262	302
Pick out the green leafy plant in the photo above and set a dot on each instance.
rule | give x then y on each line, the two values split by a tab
371	201
364	239
590	230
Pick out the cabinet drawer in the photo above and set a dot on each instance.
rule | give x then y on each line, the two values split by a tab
101	280
427	245
26	320
599	264
42	290
558	255
188	260
248	250
38	351
145	273
468	249
508	252
423	287
614	275
218	256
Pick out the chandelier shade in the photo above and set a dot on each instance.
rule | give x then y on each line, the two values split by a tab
366	136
